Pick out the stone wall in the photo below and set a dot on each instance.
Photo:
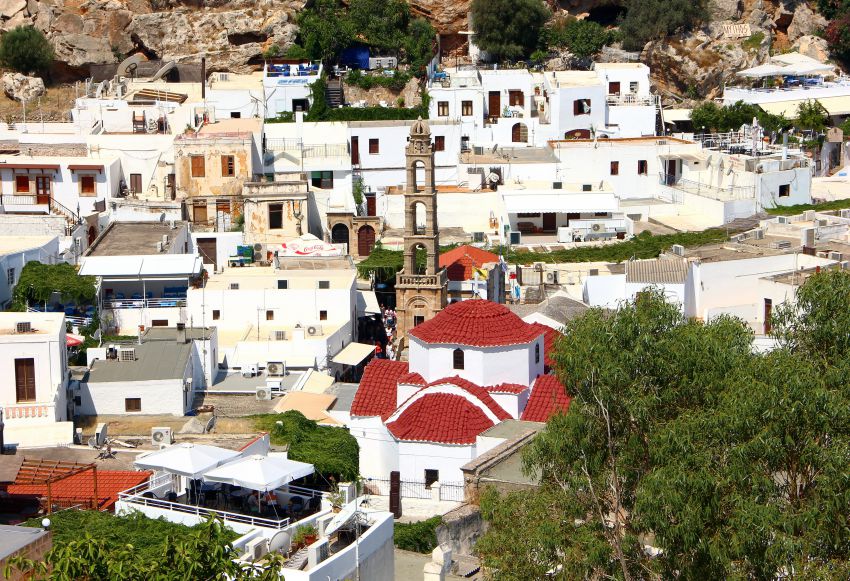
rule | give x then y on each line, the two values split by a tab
24	225
461	529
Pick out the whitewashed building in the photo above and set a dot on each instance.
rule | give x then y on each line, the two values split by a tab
34	399
471	367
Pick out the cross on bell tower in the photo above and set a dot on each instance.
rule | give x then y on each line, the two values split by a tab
421	292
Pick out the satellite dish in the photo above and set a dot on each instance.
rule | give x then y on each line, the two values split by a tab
493	177
281	541
341	518
495	149
162	218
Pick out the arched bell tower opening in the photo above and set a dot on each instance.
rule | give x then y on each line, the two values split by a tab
420	284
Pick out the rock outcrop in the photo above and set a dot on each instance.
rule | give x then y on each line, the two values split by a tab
21	87
232	34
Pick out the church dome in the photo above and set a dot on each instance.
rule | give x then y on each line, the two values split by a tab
476	323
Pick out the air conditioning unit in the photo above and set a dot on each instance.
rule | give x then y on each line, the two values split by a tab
23	327
125	354
314	330
836	256
758	233
782	219
597	227
164	239
678	250
257	548
264	393
552	277
160	436
250	370
234	286
274	368
159	247
539	266
823	222
845	213
317	552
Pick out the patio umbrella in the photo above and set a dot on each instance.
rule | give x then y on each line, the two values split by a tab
261	473
186	459
808	69
72	340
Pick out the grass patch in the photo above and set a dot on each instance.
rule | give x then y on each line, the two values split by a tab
148	536
800	208
420	537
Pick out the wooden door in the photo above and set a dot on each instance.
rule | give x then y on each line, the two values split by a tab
42	190
355	150
200	213
171	186
494	104
207	248
549	221
25	380
365	240
614	88
671	171
370	204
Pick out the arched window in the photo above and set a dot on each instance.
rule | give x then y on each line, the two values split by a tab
457	359
519	133
537	353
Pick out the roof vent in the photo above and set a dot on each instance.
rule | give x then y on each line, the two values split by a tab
23	327
678	250
125	354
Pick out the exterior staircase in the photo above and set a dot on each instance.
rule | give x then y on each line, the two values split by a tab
298	560
334	93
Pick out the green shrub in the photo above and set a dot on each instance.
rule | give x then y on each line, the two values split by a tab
837	36
38	282
583	38
26	50
420	537
648	19
333	451
396	82
833	8
754	41
730	117
508	29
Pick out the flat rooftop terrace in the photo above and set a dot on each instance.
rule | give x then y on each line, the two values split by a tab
133	238
512	154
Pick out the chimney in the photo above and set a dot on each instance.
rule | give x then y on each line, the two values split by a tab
203	77
181	333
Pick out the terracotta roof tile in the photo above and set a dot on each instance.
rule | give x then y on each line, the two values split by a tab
506	388
548	396
459	261
376	395
412	379
443	418
476	390
476	323
79	487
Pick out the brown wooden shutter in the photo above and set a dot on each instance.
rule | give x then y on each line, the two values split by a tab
25	380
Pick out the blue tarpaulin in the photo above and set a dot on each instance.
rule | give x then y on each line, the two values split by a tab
356	57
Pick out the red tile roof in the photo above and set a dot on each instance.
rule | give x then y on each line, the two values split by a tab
506	388
476	390
550	335
79	487
442	418
412	379
476	323
459	261
376	395
548	396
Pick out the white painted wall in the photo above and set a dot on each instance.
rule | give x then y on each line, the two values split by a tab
158	397
379	450
416	457
226	243
482	365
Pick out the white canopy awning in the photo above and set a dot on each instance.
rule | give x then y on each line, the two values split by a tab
353	354
186	459
760	71
153	266
367	303
261	473
808	69
685	156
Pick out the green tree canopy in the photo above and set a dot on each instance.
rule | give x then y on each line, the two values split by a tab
731	117
325	30
381	23
733	464
508	29
419	45
583	38
26	50
648	19
812	115
38	282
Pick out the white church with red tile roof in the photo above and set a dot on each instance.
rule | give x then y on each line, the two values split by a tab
473	366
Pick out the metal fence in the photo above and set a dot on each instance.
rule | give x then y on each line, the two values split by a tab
451	491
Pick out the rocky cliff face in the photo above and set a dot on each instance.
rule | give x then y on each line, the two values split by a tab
233	33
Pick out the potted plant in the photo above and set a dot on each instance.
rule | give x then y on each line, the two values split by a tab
304	536
337	498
